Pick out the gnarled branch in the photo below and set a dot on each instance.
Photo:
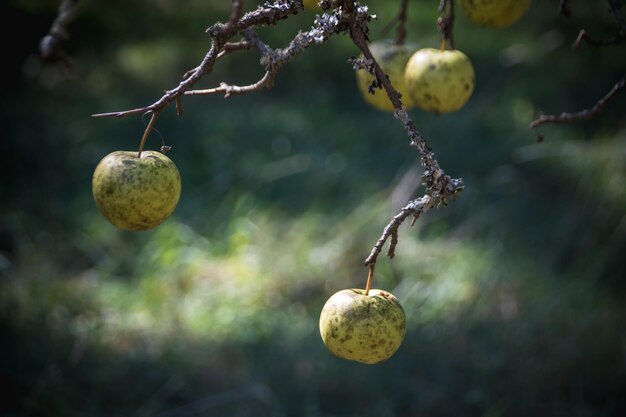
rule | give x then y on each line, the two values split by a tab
347	17
439	186
220	33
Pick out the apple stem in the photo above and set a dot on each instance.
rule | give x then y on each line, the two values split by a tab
146	132
370	276
445	23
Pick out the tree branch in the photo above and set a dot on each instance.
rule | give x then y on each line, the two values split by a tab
228	90
348	17
583	36
274	59
564	9
583	114
414	207
400	20
615	8
220	34
51	45
439	186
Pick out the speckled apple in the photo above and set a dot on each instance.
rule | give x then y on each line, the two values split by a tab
439	80
136	193
363	328
392	59
495	13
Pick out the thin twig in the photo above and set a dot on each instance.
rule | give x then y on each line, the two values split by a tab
236	46
220	34
402	17
583	114
564	9
615	8
226	49
51	45
415	207
583	36
228	90
179	106
272	59
400	20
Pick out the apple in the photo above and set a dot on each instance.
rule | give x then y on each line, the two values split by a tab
312	5
439	80
364	328
392	59
495	13
136	193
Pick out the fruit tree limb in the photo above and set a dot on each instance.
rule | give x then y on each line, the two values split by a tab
433	171
615	8
583	114
220	33
346	17
414	207
439	186
274	59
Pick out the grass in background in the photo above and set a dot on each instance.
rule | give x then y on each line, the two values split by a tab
513	292
172	323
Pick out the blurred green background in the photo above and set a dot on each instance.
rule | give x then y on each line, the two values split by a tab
514	293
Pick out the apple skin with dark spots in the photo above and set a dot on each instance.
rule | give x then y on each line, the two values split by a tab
438	80
363	328
136	193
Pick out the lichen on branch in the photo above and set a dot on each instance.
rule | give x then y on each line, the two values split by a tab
340	17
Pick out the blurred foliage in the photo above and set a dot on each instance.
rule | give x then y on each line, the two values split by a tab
514	293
